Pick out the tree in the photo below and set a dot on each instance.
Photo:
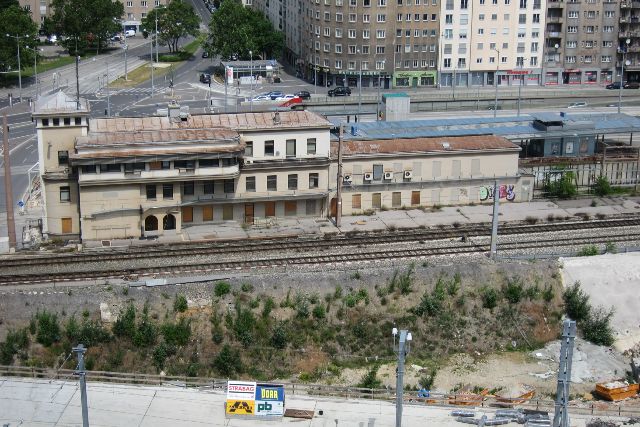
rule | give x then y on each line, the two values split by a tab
236	30
16	21
563	188
85	22
175	21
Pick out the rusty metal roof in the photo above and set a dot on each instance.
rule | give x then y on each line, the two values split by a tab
239	122
60	103
160	136
156	151
423	145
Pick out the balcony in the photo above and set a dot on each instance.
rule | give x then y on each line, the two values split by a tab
625	5
255	196
554	34
555	19
169	175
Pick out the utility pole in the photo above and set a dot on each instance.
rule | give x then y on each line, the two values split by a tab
497	81
19	68
152	67
403	350
561	416
156	14
8	195
108	92
339	180
494	221
77	80
378	100
125	48
80	350
226	85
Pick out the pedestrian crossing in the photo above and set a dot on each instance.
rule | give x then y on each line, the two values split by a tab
128	91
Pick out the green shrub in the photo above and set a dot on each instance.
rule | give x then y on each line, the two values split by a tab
177	333
180	304
356	276
48	328
280	336
160	354
269	304
596	328
15	342
590	250
338	292
453	286
602	187
247	287
370	379
217	335
88	333
146	331
611	248
319	312
302	306
513	291
489	298
221	289
228	362
243	326
576	303
426	381
125	324
548	293
350	301
563	188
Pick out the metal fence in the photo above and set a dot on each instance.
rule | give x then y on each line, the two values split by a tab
329	391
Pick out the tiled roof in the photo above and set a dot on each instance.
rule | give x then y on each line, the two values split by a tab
423	145
171	136
239	122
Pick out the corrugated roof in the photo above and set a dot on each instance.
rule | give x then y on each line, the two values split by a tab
423	145
239	122
173	136
59	103
155	151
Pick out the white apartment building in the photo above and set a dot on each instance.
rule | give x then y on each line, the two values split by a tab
285	16
482	39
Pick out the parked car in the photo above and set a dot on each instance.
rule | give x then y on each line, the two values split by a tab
577	105
304	94
632	85
261	98
339	91
274	94
285	97
205	78
614	85
205	54
130	33
493	107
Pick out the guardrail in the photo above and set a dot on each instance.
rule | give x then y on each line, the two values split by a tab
599	408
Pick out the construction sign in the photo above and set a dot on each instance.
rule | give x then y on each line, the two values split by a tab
240	407
241	390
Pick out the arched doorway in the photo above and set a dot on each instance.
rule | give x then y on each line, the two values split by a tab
151	223
169	222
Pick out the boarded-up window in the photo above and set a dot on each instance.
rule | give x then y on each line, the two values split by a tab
417	169
475	167
436	169
66	225
227	212
207	213
455	168
270	209
155	166
376	200
356	201
396	199
290	208
415	198
187	214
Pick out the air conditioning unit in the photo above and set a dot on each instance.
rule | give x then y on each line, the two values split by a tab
248	162
347	179
368	176
408	174
388	175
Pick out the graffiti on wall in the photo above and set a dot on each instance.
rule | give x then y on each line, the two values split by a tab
504	192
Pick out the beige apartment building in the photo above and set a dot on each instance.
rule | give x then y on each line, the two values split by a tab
427	172
581	41
285	16
384	42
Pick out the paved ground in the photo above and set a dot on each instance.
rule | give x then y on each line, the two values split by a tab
396	218
26	402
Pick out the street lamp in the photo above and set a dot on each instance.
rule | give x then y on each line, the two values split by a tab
315	71
623	50
251	81
359	83
35	66
19	69
402	349
497	79
522	58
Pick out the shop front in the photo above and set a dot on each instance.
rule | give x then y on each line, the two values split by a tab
590	77
572	77
520	77
553	77
414	79
606	77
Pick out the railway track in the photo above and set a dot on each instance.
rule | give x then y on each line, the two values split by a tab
306	244
466	248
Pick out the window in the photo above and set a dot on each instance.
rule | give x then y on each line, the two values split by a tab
396	199
606	58
250	184
291	147
290	208
88	168
184	164
292	181
208	163
165	165
415	198
188	189
167	191
376	200
229	186
208	187
187	214
311	146
572	29
207	213
356	201
63	157
377	172
45	122
314	180
67	121
151	192
110	168
272	182
248	149
65	194
268	148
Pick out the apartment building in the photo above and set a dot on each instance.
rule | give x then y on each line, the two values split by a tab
285	16
487	41
383	42
629	53
134	10
581	41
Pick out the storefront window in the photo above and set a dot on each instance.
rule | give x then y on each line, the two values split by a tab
591	77
551	78
427	81
402	81
606	77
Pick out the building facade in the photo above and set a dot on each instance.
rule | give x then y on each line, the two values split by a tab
581	41
285	16
629	53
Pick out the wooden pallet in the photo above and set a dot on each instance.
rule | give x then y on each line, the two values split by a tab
298	413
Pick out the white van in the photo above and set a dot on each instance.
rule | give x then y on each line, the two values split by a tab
130	33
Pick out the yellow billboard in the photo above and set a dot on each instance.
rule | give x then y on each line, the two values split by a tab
240	407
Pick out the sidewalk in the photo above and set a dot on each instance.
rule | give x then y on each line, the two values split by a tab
393	219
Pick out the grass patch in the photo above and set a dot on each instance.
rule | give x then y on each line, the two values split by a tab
139	76
183	54
44	65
